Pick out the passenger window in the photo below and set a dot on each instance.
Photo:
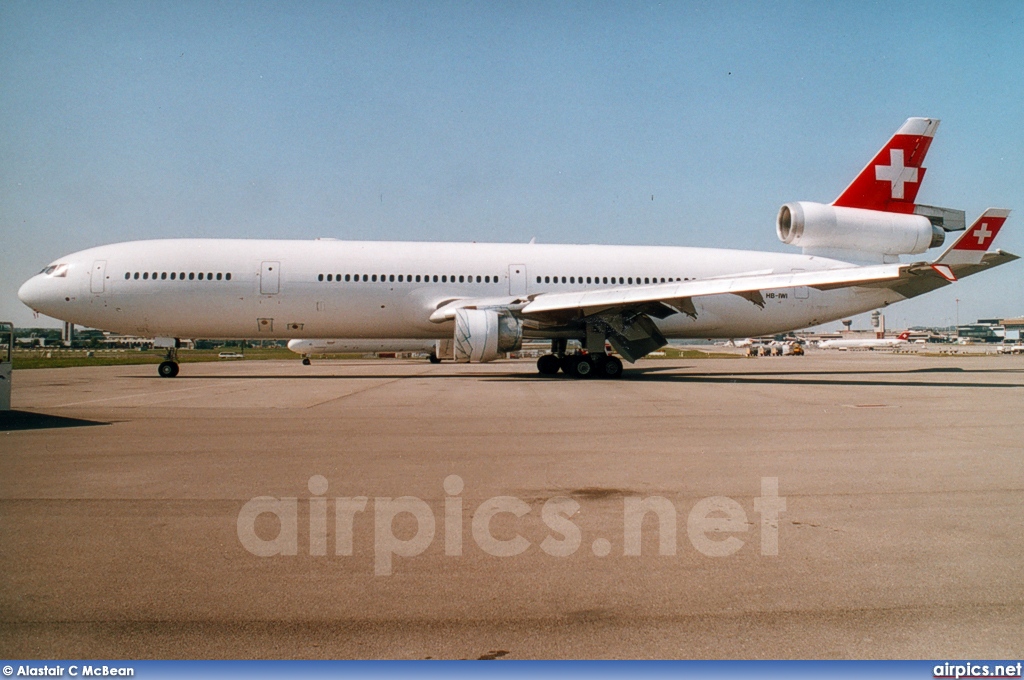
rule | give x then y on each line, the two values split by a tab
209	276
547	279
444	278
191	276
227	277
478	279
136	275
219	276
145	275
127	275
563	279
174	275
462	279
330	277
390	278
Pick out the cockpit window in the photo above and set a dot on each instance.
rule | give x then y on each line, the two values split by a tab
56	270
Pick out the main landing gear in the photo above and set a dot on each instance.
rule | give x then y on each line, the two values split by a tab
169	366
581	365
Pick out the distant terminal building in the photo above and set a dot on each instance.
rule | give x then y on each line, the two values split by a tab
991	330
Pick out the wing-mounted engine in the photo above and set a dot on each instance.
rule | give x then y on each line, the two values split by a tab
485	334
819	228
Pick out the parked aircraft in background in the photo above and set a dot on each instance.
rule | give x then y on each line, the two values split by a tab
487	298
865	343
307	348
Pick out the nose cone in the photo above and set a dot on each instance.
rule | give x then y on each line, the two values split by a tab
35	293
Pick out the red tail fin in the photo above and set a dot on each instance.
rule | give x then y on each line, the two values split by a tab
905	335
891	180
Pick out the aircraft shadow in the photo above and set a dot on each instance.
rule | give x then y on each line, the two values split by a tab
12	421
669	374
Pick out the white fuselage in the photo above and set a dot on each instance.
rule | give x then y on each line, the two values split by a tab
360	289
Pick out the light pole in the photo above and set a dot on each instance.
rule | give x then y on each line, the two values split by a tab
957	317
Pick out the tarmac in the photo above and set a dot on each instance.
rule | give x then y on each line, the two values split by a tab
130	530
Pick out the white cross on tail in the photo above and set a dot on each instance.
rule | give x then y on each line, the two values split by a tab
896	173
982	234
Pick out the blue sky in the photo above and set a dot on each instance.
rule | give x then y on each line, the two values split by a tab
590	122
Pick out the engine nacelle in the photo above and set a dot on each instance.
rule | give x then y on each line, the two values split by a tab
484	334
814	225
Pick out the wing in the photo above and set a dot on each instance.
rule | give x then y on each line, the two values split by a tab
625	313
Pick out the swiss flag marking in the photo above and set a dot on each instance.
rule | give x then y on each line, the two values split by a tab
896	173
981	234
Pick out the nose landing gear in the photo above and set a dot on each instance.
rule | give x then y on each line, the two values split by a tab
168	369
169	366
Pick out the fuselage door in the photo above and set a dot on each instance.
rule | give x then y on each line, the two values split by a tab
517	279
270	278
800	292
99	275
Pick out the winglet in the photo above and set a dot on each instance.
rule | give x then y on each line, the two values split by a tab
970	248
891	180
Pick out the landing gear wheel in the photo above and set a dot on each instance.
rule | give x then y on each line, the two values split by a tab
306	361
434	359
168	369
581	366
611	367
548	364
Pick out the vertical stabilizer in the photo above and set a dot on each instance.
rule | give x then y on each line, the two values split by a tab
890	182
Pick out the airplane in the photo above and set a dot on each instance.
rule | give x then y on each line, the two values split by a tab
733	342
865	343
309	347
488	297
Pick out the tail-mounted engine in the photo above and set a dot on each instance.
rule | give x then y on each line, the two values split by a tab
484	334
816	226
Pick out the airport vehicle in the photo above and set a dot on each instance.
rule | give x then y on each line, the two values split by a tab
865	343
1011	349
488	297
6	350
308	347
